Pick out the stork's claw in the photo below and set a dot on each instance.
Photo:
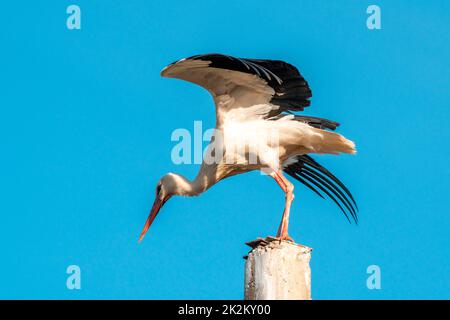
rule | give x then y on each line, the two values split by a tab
284	238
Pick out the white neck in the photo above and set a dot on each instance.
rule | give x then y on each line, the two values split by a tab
184	187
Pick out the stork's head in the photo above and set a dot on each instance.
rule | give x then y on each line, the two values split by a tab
167	186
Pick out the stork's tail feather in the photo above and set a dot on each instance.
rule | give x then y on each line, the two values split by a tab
334	143
320	180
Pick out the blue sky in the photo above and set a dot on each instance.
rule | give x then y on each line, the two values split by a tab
86	125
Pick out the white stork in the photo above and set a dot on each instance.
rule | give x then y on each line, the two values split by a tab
254	98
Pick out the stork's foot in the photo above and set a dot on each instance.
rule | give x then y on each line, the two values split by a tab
285	237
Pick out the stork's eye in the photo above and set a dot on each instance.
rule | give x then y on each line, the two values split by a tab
158	189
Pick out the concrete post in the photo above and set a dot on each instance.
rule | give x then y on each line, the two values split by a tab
277	270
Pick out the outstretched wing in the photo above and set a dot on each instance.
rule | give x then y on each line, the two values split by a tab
271	87
309	172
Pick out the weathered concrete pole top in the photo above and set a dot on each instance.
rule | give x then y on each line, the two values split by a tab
277	270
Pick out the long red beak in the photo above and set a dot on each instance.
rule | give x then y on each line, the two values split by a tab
157	205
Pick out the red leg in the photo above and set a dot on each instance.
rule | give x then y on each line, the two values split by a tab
288	188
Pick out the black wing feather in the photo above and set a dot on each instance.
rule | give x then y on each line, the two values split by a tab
315	122
310	173
292	92
307	159
296	176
